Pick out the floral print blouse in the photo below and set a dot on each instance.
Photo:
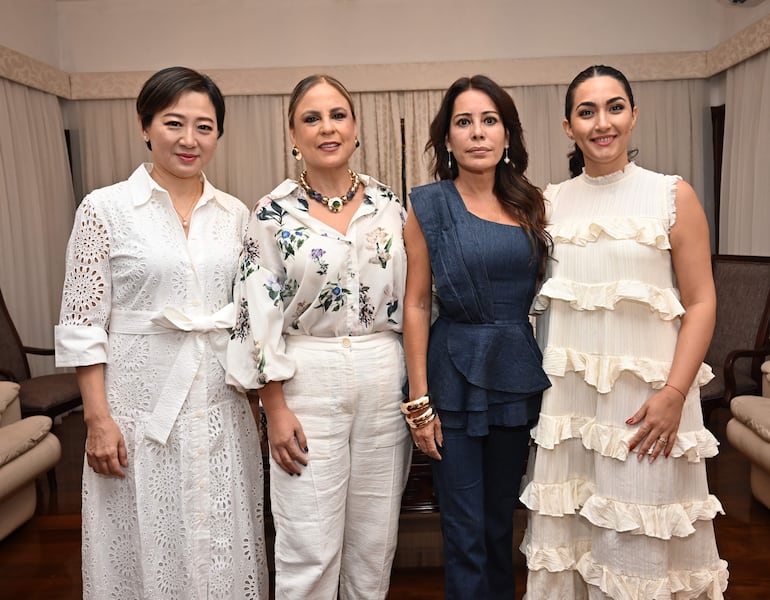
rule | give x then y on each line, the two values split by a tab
299	276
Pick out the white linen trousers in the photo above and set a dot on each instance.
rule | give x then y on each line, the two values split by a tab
337	523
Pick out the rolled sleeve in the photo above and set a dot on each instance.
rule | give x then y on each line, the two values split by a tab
80	346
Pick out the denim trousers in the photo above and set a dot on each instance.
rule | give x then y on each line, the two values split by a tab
477	486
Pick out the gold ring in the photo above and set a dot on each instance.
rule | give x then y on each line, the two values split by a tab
663	440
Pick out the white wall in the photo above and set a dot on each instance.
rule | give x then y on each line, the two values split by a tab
130	35
31	27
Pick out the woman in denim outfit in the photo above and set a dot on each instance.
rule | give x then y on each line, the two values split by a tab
475	380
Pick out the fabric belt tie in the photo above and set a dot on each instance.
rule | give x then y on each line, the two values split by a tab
174	391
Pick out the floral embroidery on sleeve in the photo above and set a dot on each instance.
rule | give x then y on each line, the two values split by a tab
250	260
242	323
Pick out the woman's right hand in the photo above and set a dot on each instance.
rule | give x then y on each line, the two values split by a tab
106	448
288	444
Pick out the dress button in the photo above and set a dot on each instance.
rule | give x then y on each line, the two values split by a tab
346	343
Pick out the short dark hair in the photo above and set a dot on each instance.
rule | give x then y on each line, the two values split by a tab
311	81
576	159
164	88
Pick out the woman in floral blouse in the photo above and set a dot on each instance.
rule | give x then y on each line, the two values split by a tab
318	334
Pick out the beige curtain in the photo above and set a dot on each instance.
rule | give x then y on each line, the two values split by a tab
253	156
36	212
745	193
106	142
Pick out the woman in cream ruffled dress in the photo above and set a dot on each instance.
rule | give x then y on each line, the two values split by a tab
618	498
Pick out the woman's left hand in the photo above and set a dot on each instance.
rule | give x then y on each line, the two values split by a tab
659	417
429	438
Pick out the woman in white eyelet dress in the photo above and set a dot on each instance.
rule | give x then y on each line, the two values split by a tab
172	485
617	491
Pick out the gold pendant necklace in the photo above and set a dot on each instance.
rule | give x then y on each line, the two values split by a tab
335	203
185	219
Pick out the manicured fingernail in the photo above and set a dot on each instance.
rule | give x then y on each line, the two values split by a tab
306	450
631	447
630	421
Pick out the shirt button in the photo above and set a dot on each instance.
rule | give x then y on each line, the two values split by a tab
346	343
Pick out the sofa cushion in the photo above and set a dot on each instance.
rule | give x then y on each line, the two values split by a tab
754	413
8	392
17	438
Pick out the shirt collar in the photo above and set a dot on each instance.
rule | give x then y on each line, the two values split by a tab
143	187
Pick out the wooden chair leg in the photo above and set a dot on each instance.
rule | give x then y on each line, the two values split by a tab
51	479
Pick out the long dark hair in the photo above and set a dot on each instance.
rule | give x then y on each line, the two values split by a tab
576	158
521	199
164	88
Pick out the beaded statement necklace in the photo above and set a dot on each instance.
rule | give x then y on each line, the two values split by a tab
335	203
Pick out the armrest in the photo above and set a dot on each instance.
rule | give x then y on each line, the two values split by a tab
729	370
38	351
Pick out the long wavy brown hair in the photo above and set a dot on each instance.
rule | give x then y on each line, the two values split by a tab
520	198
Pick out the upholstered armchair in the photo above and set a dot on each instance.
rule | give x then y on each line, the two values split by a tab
49	395
749	432
741	339
27	450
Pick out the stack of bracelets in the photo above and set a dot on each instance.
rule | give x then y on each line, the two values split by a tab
414	413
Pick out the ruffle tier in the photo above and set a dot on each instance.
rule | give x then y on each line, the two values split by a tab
582	296
645	230
679	585
662	521
613	442
576	495
602	371
557	499
554	560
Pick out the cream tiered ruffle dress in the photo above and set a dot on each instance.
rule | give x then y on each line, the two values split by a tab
603	524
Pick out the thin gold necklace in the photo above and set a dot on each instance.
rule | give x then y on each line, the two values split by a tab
185	218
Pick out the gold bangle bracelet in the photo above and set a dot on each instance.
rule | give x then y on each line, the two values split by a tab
411	406
424	416
423	419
